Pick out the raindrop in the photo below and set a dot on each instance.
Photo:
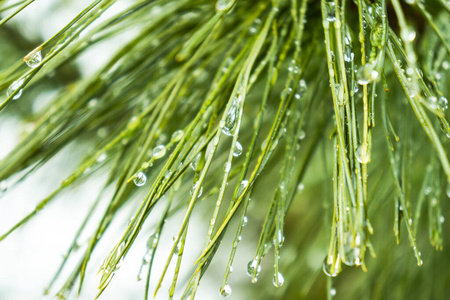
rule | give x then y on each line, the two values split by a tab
432	101
229	125
242	187
194	163
244	221
366	74
330	7
15	86
253	267
177	135
255	27
140	179
152	240
146	259
237	149
102	157
222	5
301	135
225	291
227	167
329	269
408	34
300	187
278	279
348	54
159	151
34	58
333	292
443	103
441	219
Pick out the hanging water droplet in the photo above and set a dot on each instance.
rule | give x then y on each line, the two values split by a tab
237	149
222	5
432	101
177	135
229	125
102	157
194	187
441	219
15	86
293	68
200	192
152	240
366	74
34	58
301	134
333	292
244	221
159	151
140	179
225	291
256	25
408	34
147	258
331	11
242	187
227	167
278	280
300	187
194	163
253	267
443	103
348	55
329	269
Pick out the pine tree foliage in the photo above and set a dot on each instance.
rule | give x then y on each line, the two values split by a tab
321	124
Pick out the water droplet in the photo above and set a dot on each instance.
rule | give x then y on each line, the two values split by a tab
441	219
366	74
333	292
222	5
278	280
443	103
229	125
34	58
293	68
301	135
225	291
159	151
300	187
194	163
434	202
152	240
256	25
102	157
432	101
331	11
252	267
146	259
177	135
242	187
227	167
408	34
244	221
237	149
348	55
445	65
140	179
15	86
329	269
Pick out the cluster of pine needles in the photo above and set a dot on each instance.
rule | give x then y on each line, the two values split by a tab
322	124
